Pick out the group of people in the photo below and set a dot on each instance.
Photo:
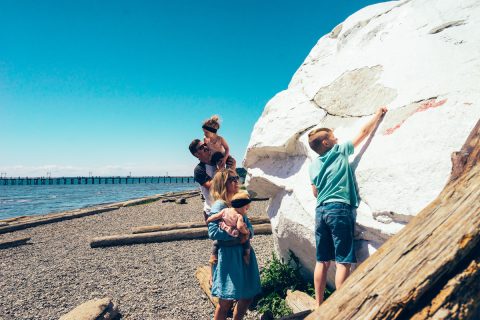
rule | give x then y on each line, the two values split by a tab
235	275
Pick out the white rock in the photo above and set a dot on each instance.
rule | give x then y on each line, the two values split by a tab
421	58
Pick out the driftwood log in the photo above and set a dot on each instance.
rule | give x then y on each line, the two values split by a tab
203	276
188	225
431	268
8	220
95	309
297	316
299	301
13	242
51	218
161	236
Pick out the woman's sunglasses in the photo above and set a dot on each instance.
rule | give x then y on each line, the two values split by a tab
233	178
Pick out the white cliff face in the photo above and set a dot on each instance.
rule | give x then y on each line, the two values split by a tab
420	58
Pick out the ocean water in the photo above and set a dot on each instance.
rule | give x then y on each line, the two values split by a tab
26	200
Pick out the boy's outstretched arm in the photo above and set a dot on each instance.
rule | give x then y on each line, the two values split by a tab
368	128
314	190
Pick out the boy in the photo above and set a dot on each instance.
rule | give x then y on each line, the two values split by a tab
333	185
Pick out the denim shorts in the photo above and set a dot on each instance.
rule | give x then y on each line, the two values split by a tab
334	232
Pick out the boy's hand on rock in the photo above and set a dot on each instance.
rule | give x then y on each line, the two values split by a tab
381	111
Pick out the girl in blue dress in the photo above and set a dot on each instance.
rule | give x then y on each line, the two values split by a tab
232	278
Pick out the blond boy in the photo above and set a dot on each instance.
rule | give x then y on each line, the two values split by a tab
333	185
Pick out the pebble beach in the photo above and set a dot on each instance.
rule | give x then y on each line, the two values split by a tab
58	270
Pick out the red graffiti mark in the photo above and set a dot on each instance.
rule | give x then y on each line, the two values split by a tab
432	103
392	129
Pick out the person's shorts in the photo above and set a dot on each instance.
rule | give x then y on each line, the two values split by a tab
334	232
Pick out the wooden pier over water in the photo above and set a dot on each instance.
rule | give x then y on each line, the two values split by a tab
91	180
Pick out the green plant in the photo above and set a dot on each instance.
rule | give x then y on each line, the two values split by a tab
274	304
277	277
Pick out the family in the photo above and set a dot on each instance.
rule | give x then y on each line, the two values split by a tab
235	274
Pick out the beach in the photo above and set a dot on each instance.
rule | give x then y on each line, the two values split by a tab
58	270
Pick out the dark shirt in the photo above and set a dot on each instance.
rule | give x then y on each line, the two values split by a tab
200	174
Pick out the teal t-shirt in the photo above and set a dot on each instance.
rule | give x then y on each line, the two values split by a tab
333	177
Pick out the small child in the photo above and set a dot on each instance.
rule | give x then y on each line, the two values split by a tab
233	223
217	144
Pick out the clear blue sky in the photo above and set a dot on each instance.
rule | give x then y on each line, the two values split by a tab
119	86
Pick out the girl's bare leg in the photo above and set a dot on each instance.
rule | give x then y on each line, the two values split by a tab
222	309
241	308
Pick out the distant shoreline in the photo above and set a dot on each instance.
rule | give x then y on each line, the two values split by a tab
54	199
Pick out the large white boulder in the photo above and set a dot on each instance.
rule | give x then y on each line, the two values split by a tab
421	58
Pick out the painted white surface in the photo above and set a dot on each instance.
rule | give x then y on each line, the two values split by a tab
421	59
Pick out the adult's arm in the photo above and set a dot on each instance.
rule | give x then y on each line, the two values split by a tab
214	231
207	184
201	176
368	128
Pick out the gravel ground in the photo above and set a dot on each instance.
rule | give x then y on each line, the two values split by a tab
59	270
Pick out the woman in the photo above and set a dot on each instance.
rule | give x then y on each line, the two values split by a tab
232	278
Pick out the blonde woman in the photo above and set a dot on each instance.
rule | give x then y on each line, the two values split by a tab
232	278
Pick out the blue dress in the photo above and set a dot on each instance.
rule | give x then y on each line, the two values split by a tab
232	278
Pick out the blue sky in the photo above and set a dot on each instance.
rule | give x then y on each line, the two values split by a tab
113	87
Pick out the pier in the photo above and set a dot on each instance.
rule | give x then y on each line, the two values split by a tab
38	181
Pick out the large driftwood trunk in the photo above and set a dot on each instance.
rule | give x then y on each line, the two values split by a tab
188	225
430	269
299	301
203	276
13	242
161	236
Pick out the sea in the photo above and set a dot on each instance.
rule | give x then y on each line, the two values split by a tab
29	200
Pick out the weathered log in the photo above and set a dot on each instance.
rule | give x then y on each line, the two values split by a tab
297	316
459	294
181	200
94	309
187	225
33	222
13	242
161	236
169	195
203	276
299	301
431	267
8	220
